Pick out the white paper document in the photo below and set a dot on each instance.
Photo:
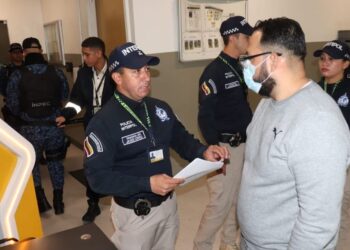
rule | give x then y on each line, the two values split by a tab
197	168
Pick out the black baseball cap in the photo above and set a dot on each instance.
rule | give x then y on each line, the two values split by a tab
129	56
31	42
336	49
15	47
235	24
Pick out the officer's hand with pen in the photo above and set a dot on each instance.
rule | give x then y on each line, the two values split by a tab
162	184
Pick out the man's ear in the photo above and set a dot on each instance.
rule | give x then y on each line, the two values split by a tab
116	78
274	60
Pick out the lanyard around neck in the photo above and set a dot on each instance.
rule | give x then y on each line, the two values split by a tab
98	88
148	128
335	85
232	68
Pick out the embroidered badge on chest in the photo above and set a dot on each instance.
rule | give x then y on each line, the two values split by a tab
162	114
343	101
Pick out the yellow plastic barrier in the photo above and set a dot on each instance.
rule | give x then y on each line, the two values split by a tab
19	216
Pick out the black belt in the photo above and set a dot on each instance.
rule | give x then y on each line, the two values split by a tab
141	206
130	203
234	139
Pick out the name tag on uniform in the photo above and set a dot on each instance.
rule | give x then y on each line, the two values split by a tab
156	155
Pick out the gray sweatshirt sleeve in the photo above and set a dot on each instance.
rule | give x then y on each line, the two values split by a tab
319	153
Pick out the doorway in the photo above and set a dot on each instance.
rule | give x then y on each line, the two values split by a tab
111	23
4	42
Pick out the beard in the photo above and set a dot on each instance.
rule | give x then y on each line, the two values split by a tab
267	82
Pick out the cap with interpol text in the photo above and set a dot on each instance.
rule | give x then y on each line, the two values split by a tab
129	56
336	49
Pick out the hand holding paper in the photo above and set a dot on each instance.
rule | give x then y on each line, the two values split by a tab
197	168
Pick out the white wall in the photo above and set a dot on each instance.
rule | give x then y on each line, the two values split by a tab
320	19
24	19
153	24
68	12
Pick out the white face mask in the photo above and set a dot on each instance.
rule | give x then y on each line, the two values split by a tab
249	72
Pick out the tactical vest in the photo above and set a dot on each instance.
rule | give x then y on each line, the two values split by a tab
39	93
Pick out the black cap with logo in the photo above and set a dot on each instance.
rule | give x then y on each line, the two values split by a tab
129	56
336	49
15	47
31	42
235	24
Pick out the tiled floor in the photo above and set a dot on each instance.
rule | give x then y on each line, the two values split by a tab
191	203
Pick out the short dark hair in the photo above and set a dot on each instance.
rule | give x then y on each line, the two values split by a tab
283	32
227	37
94	42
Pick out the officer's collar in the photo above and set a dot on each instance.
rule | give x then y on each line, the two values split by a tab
228	58
130	102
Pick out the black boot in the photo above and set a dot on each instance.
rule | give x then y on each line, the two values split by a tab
58	204
92	212
43	204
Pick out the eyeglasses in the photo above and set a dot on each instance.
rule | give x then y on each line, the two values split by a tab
246	57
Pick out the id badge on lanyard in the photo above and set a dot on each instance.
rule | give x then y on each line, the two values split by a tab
156	155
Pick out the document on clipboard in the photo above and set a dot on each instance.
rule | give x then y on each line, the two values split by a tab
197	168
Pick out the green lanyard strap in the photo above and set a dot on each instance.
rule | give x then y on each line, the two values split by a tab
334	86
132	113
232	68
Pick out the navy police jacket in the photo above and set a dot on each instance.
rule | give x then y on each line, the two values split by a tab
223	105
118	148
340	92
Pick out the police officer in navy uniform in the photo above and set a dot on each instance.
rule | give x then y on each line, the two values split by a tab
334	62
127	155
16	62
35	94
223	117
91	90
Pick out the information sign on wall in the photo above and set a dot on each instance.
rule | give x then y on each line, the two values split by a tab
199	22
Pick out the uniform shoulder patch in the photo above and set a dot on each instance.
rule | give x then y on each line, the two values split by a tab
88	149
205	88
209	87
92	143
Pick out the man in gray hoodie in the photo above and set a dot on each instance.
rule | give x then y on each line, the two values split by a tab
297	150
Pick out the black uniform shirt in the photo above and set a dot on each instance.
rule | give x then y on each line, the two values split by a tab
341	94
223	105
117	147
